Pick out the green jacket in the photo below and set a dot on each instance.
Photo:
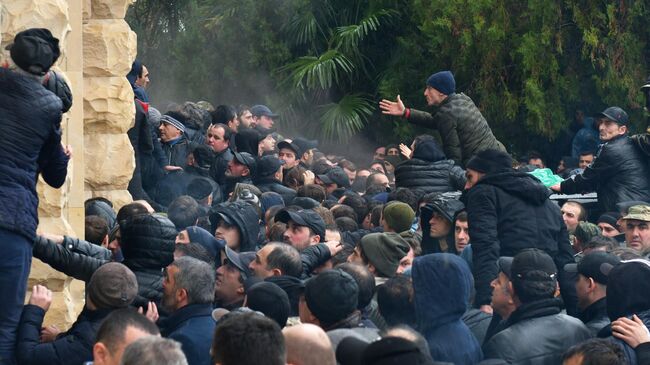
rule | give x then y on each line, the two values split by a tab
462	127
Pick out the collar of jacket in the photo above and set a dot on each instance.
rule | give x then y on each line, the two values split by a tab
175	141
183	314
536	309
595	310
351	321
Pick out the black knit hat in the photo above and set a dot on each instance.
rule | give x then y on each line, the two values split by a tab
35	50
490	161
269	299
331	295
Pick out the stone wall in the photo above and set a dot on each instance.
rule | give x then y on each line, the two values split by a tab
97	51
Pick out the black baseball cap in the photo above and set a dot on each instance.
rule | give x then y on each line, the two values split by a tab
259	110
331	295
268	165
337	176
305	144
292	146
590	265
525	263
240	261
245	158
615	114
35	50
305	217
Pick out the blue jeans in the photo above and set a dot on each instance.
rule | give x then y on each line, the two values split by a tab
15	262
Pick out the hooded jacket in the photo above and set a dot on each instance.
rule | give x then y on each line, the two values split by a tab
30	143
442	284
429	171
463	129
242	215
618	174
536	334
430	244
219	166
269	183
509	211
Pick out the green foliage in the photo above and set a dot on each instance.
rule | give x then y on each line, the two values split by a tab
324	64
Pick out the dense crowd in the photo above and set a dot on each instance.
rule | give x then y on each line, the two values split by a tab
247	244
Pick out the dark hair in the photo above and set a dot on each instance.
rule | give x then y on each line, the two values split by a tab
131	210
313	191
241	108
294	178
375	215
535	155
359	204
372	178
227	132
413	336
342	256
98	198
600	241
404	195
248	339
587	152
537	286
223	114
597	351
342	210
327	216
346	224
184	212
286	258
96	229
199	188
374	189
395	301
583	211
113	329
196	251
421	138
365	280
346	164
203	155
276	232
273	210
462	216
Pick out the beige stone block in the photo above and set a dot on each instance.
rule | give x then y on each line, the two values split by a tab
119	198
109	47
86	10
109	161
19	15
108	105
110	9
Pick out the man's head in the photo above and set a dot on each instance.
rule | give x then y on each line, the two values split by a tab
333	179
308	344
225	114
275	259
96	230
306	147
585	159
231	275
486	162
439	86
245	116
154	350
111	286
269	299
380	153
377	178
502	301
441	212
329	297
143	78
34	51
533	275
241	165
395	301
397	217
289	153
628	285
637	227
536	159
120	328
304	227
263	116
248	339
596	351
612	123
461	232
187	281
184	211
381	253
591	282
170	128
572	214
218	137
608	224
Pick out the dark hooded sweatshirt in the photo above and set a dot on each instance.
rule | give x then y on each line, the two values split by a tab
509	211
442	284
242	215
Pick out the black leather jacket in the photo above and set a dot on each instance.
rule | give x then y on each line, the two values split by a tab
424	177
619	173
536	334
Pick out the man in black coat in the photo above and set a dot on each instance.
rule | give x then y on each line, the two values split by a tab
509	211
218	139
30	144
619	172
269	178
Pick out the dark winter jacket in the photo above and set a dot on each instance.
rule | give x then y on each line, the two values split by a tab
312	257
30	143
171	186
433	245
219	166
148	243
478	322
442	284
462	127
641	354
79	264
507	212
193	327
618	174
595	316
271	184
176	151
142	143
72	347
242	215
536	334
424	177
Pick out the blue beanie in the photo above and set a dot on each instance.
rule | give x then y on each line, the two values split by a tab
443	81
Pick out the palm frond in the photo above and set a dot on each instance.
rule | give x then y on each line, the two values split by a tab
318	72
340	121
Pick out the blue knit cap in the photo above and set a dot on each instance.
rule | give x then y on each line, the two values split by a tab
170	120
443	81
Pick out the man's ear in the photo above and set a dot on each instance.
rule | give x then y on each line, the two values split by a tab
511	289
246	172
276	272
105	242
315	239
100	353
241	290
372	268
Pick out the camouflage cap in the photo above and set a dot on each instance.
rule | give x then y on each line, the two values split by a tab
639	213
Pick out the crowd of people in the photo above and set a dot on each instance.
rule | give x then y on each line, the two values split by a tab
246	244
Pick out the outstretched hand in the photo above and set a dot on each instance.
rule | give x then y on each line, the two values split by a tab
395	108
151	313
405	151
632	331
